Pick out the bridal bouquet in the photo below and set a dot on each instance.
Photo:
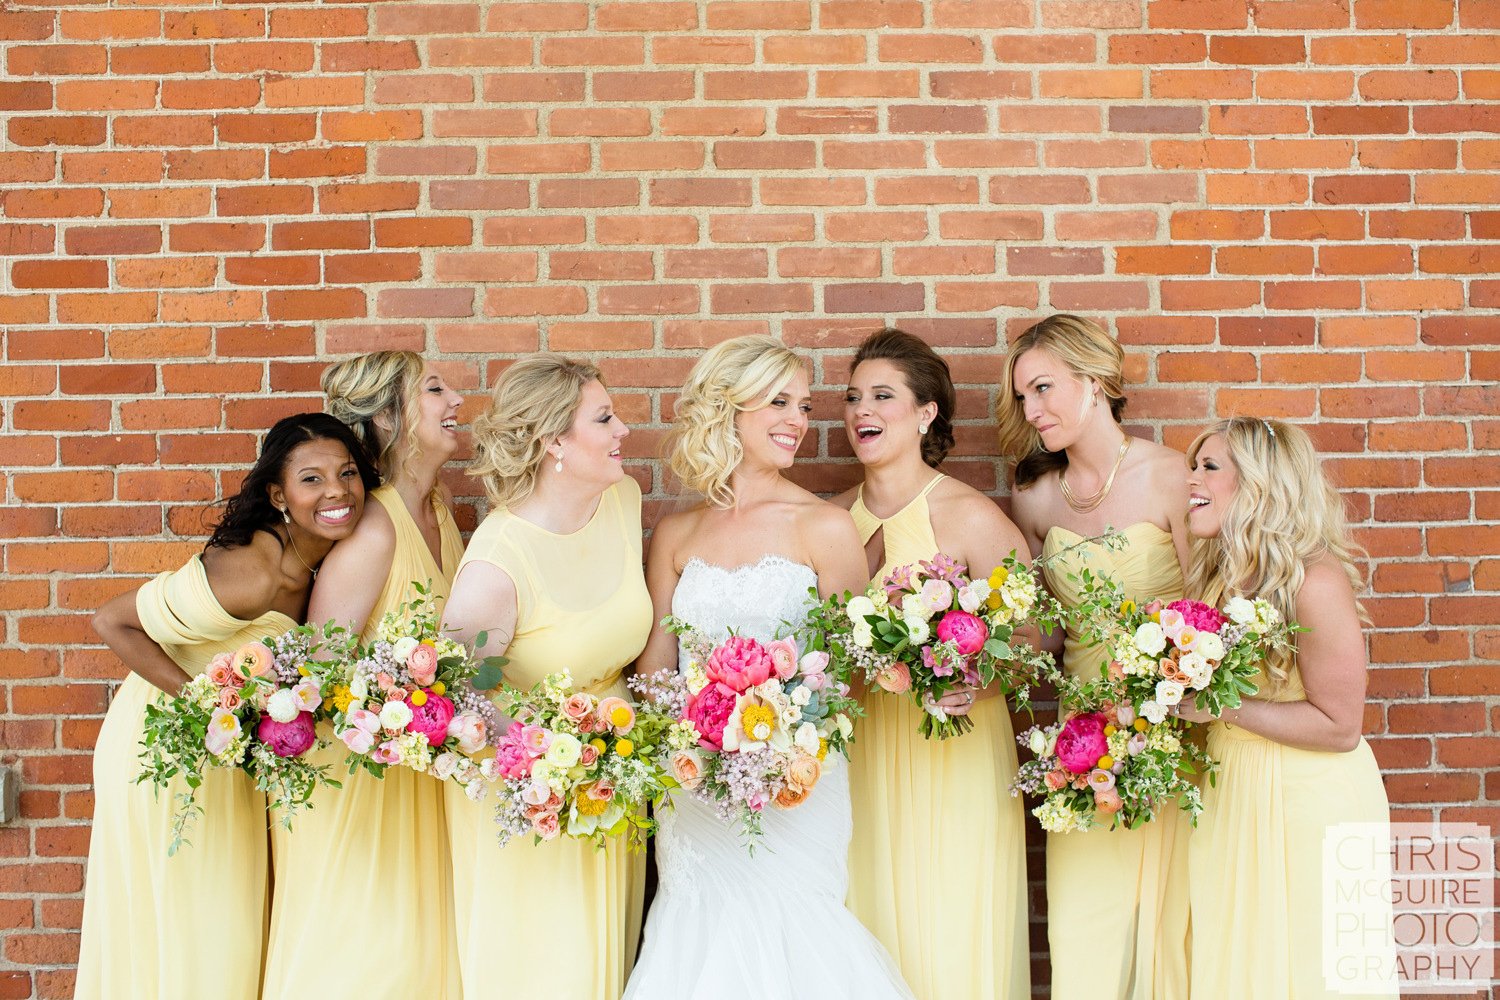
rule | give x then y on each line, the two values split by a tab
256	709
408	699
571	764
755	721
928	629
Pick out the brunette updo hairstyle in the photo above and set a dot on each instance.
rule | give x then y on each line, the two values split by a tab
928	378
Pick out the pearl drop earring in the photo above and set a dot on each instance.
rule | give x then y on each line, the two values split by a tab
558	466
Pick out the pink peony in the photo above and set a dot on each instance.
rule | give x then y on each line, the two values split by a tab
895	679
1198	615
287	739
1081	742
431	718
709	711
967	632
740	664
783	657
511	759
422	664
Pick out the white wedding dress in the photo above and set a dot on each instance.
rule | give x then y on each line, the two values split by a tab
729	925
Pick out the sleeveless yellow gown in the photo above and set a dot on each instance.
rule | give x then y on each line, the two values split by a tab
557	919
193	925
954	920
362	904
1255	862
1117	904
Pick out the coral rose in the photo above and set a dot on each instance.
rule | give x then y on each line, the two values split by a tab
1081	742
687	766
422	664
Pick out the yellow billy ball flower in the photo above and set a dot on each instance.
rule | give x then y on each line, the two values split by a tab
1106	762
438	687
620	716
1141	725
1156	617
822	748
1110	730
598	744
999	576
1127	607
624	748
419	698
303	672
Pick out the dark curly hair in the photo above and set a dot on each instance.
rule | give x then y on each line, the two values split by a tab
251	509
927	376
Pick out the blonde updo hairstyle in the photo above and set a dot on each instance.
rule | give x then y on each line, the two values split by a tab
739	375
1089	353
383	382
1283	515
535	402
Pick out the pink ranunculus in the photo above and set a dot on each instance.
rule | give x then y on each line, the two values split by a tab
967	632
1081	742
616	714
547	825
783	657
287	739
254	659
422	664
578	707
468	728
431	718
1200	616
895	679
739	663
535	739
587	754
356	739
709	711
1107	801
229	698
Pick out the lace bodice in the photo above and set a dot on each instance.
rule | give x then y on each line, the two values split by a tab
754	599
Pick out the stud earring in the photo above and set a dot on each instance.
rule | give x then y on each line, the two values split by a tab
921	428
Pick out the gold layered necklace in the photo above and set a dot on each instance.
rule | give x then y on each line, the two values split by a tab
291	538
1085	504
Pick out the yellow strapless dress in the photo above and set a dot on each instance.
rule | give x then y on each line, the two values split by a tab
192	925
956	928
1255	862
523	909
1117	902
363	904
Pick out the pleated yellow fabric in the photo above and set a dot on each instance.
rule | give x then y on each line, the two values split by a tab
362	905
1117	901
193	925
1255	861
523	909
955	928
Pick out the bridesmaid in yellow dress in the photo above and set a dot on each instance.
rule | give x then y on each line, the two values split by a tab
193	925
954	930
553	577
1266	523
362	906
1117	915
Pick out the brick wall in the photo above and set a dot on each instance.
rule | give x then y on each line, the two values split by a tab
1283	208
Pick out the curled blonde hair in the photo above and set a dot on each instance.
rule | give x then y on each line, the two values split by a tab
1284	515
746	373
1089	353
360	389
535	402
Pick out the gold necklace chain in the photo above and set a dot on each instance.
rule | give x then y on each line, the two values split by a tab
292	538
1085	504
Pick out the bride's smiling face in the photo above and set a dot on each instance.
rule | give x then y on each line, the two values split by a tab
771	435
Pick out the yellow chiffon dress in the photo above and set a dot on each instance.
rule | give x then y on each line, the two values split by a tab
1255	862
192	925
1117	903
937	863
362	905
560	918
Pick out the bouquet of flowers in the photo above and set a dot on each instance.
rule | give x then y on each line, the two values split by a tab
576	765
256	709
408	699
928	629
753	722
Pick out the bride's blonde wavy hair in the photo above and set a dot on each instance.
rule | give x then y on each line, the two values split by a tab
1284	514
534	403
703	447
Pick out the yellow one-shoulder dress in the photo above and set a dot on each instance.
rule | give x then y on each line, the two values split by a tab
362	905
192	925
956	928
1117	904
1256	866
560	918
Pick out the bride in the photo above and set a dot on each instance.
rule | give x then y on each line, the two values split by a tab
726	924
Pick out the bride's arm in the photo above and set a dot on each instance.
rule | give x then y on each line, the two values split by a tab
838	557
660	654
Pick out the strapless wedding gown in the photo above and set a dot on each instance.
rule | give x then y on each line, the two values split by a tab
729	925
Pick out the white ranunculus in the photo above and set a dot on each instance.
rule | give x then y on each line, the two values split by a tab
1153	712
862	635
564	751
395	716
859	607
359	688
846	728
1199	671
1240	610
806	739
1150	639
1209	646
402	648
1169	693
282	706
1037	743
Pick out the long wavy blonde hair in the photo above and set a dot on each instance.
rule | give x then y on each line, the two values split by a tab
1088	352
703	447
359	390
1284	514
534	403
